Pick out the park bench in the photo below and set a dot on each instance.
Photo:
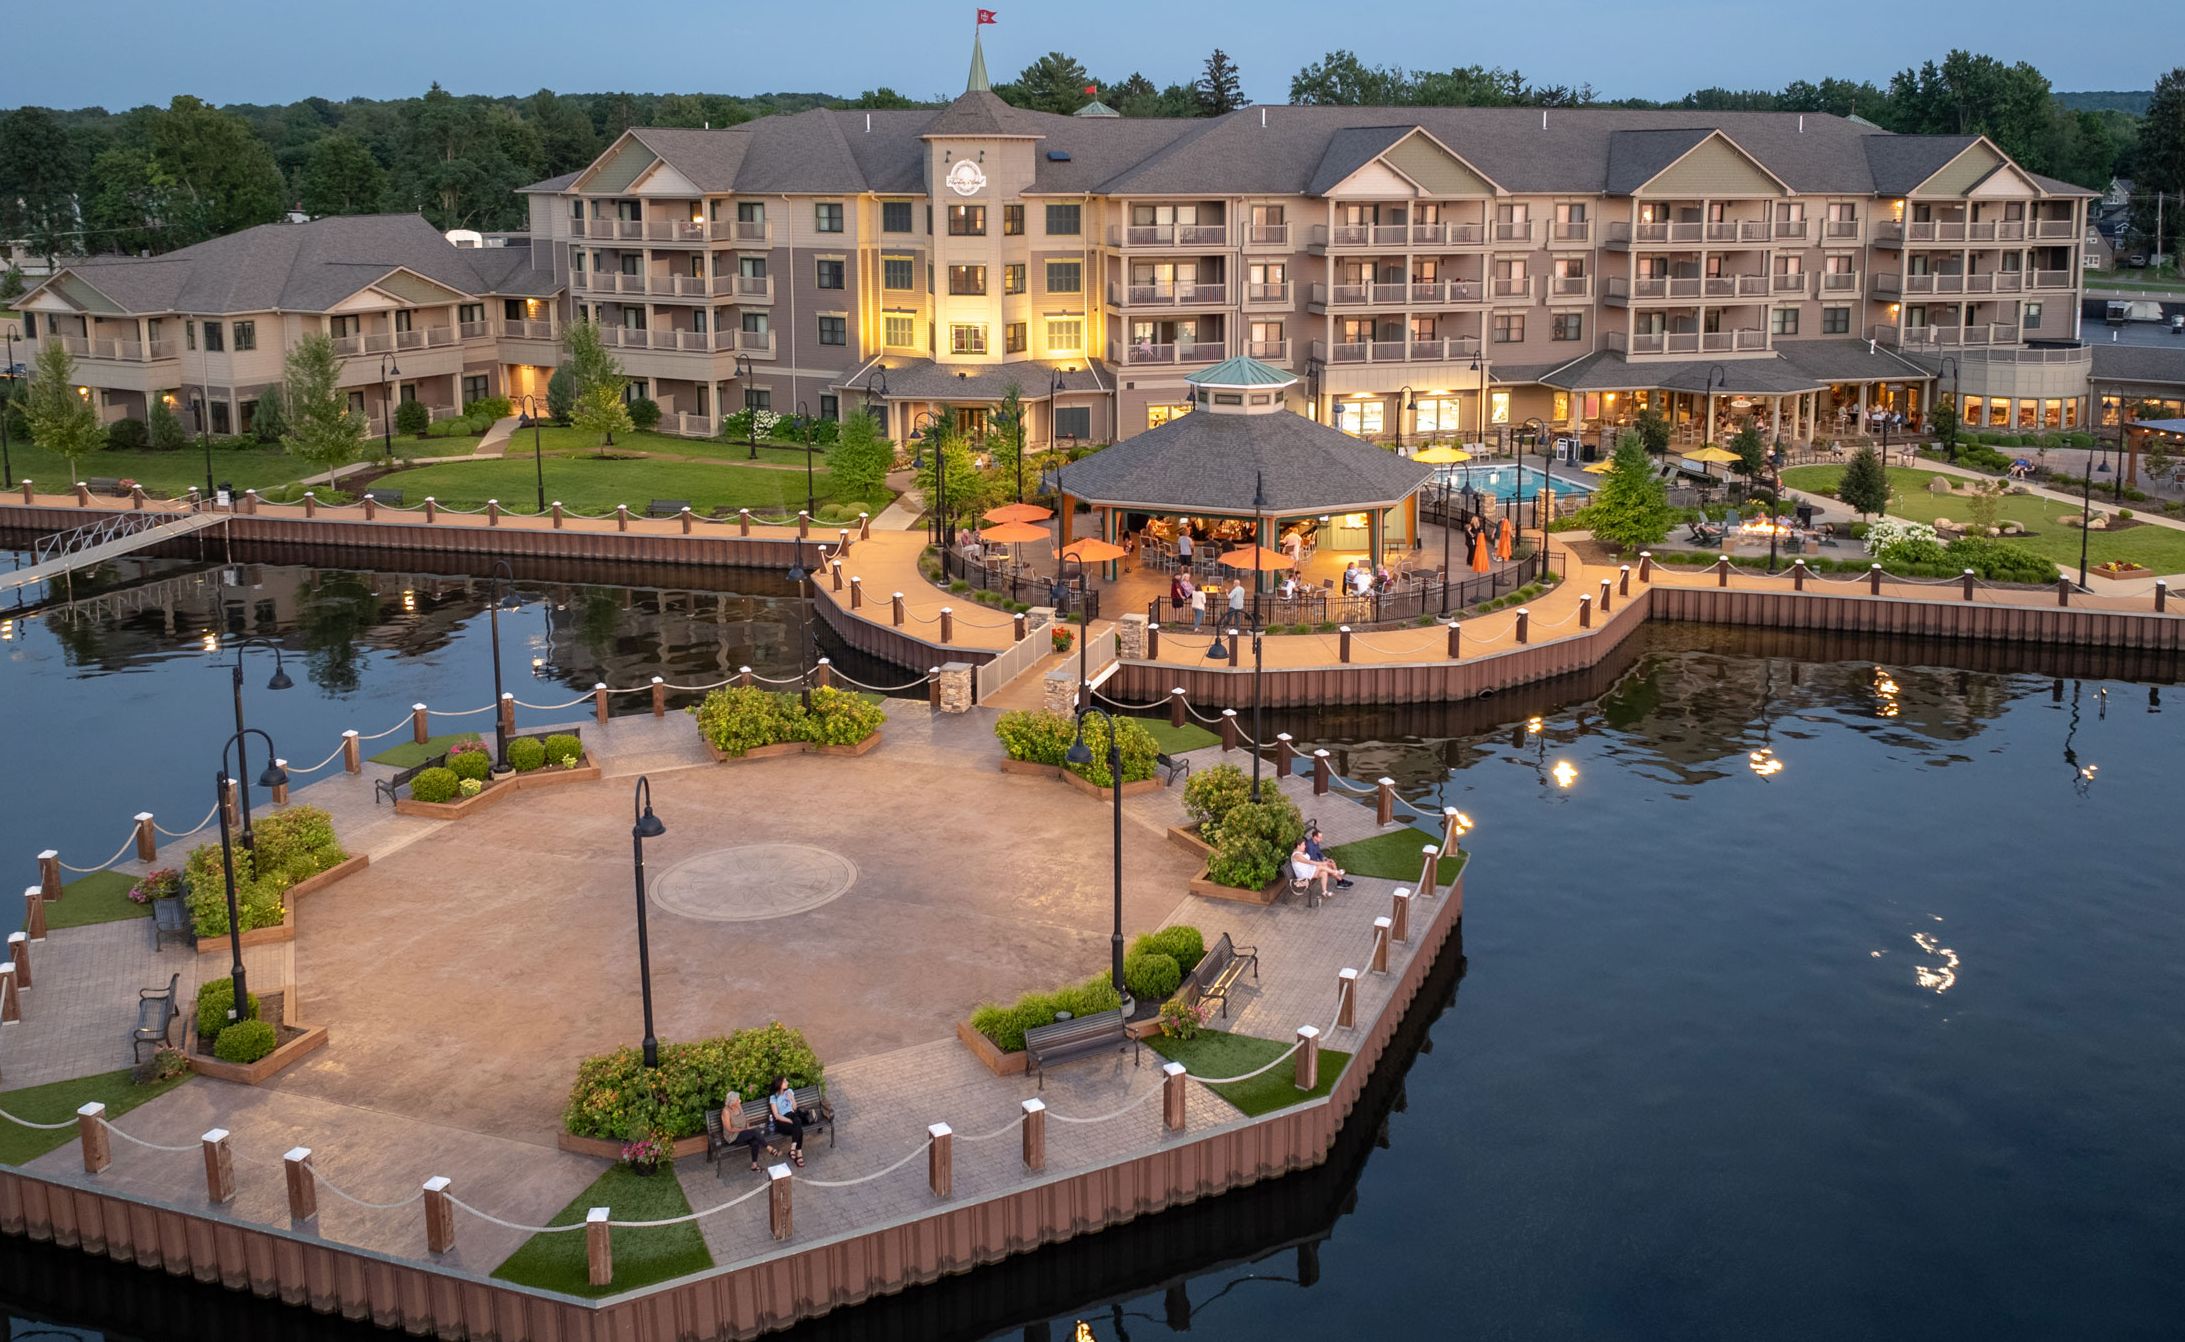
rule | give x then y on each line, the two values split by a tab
104	484
155	1016
1311	889
1218	971
754	1114
666	507
1046	1045
390	498
171	921
1171	768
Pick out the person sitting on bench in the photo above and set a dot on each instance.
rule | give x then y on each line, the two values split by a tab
1318	854
753	1138
1305	871
786	1117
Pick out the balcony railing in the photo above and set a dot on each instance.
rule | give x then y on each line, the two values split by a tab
1839	283
1267	235
1570	231
1734	286
1750	340
374	342
1180	352
748	231
1447	293
117	349
758	344
512	329
678	286
1977	335
1449	234
1510	286
1179	294
1510	230
470	331
1442	350
1169	235
681	230
1268	351
1567	286
1271	294
606	230
1793	230
687	425
1787	282
1839	230
748	288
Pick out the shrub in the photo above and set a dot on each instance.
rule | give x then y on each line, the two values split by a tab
1139	750
1210	794
469	765
1256	839
644	412
257	900
128	435
163	883
1151	976
1005	1025
838	718
526	753
1035	737
737	718
561	394
214	997
616	1097
245	1041
1183	943
1998	561
435	785
471	787
562	748
1184	1020
168	1062
412	417
490	408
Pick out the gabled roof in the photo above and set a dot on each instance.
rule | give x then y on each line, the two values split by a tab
1636	157
710	161
1899	163
1350	149
1202	462
977	113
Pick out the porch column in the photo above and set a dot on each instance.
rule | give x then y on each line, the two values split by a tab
1861	422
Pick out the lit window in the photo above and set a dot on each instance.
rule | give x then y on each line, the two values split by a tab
1498	407
1360	418
967	339
1065	337
900	332
1157	415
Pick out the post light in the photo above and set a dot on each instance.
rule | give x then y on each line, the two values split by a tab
538	451
646	826
279	681
804	435
389	370
1080	753
273	777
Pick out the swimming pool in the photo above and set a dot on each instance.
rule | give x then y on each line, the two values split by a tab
1506	482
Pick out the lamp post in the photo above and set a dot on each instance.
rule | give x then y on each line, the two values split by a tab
2086	516
1717	376
1405	400
804	436
877	386
274	776
1080	753
389	370
1537	431
922	428
1950	438
279	681
538	451
7	466
751	413
803	579
646	826
1056	385
502	597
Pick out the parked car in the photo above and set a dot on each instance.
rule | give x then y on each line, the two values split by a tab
2137	260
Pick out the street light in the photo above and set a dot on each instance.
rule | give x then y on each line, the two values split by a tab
2086	517
273	777
502	598
1405	400
279	681
877	385
1717	376
388	371
751	413
1538	431
7	466
1080	753
804	436
922	428
647	826
538	452
803	579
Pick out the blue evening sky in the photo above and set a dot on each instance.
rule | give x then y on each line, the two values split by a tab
281	50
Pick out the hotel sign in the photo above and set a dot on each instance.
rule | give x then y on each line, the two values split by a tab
965	179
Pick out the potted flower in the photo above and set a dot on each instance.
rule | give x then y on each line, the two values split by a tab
165	883
1062	638
644	1154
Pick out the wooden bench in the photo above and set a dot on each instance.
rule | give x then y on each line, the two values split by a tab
754	1114
171	921
156	1014
104	484
666	507
392	498
1218	971
1045	1045
1171	768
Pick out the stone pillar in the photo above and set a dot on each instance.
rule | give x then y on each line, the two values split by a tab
1346	998
659	697
1384	801
898	599
1133	630
352	754
1382	928
19	954
1321	773
1429	869
940	1159
1623	580
1343	646
1456	642
622	517
1399	916
1173	1081
599	702
493	512
420	724
91	1133
599	1247
1035	1134
280	789
779	1214
948	624
1308	1057
219	1167
147	838
49	873
303	1186
954	679
1058	691
1228	730
439	1215
1524	624
34	912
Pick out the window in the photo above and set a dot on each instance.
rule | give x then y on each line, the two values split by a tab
213	340
246	336
1509	328
755	323
1970	410
1498	407
827	217
967	338
1360	418
1065	277
2033	316
1157	415
895	216
1012	338
474	387
750	211
189	329
898	272
1065	221
1435	414
470	313
1783	321
512	309
899	332
967	279
1012	278
1073	421
967	221
830	406
1065	335
1012	221
402	315
1999	412
1567	326
1835	321
220	413
758	398
827	273
576	210
834	331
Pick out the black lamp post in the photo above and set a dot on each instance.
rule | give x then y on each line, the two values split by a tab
646	826
877	386
1056	385
279	681
1537	431
1080	753
1405	399
1717	376
2086	516
804	435
922	428
7	466
389	370
538	451
274	776
803	579
1950	438
751	413
502	599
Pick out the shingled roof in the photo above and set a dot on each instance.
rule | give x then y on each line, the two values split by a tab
1212	463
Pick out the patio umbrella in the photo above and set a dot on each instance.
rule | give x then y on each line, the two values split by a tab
1257	557
1012	533
1092	550
1600	468
1706	455
1440	455
1502	542
1480	560
1018	512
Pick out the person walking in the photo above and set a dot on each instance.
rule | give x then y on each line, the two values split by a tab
1198	603
1236	602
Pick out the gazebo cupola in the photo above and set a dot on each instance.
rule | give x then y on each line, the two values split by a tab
1240	386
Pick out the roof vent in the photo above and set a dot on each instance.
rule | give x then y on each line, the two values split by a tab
1058	156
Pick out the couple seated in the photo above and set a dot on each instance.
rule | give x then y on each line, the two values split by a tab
1309	862
783	1119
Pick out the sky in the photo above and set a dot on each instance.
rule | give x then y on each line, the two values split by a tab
269	51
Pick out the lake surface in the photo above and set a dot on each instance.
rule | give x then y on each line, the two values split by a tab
1804	992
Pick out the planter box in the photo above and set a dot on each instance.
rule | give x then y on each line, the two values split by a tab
1030	769
781	748
2136	571
297	1041
986	1051
285	930
1205	886
608	1149
1143	785
586	771
1187	838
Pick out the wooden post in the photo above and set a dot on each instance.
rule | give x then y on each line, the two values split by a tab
898	599
1285	751
1874	579
779	1214
857	592
1342	652
1172	1096
493	512
1176	707
1382	928
11	1006
599	1249
2162	595
507	716
1228	730
91	1132
743	677
352	754
1524	624
948	624
804	524
1236	648
1607	590
230	804
280	789
439	1215
1646	566
371	508
599	702
1346	998
49	873
250	503
622	518
1968	581
310	503
1456	642
136	498
1016	627
1153	640
684	513
1399	915
743	521
1722	570
2063	591
823	673
1035	1134
19	954
940	1158
1384	801
1623	580
28	496
34	913
1308	1057
147	838
1585	610
556	509
432	508
1429	869
303	1185
219	1167
834	568
659	697
1321	773
420	724
864	526
1798	575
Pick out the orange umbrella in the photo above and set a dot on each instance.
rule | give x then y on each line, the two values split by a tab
1480	562
1092	550
1018	512
1502	542
1012	533
1257	557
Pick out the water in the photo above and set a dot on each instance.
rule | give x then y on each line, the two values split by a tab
1882	1041
1506	482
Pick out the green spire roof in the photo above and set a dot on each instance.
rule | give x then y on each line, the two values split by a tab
976	81
1240	372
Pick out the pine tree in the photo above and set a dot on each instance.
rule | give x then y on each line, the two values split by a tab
859	459
1219	88
1865	485
167	433
1632	508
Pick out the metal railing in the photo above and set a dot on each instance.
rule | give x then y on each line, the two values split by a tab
1022	582
1406	600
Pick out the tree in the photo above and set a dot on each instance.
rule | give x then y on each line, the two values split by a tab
215	176
321	428
1135	96
1341	79
1864	487
39	171
341	177
1984	505
882	98
127	212
2161	162
165	429
1219	88
859	459
966	488
561	394
268	416
1632	508
1053	83
589	363
12	285
600	409
567	138
1006	441
1653	430
1943	421
60	417
1969	94
1751	449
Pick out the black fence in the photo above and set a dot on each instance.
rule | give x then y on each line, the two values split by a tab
1403	603
1022	582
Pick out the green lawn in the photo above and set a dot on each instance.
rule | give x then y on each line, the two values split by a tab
2160	548
410	754
1394	856
574	442
163	474
642	1257
1177	740
59	1100
101	897
1218	1053
592	486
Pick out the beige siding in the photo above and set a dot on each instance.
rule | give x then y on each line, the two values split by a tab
1437	172
1963	173
1713	169
620	168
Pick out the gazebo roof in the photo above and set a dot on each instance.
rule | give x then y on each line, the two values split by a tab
1208	463
1241	372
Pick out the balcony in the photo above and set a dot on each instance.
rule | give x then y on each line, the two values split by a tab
751	232
1447	293
1840	230
430	337
1445	350
1570	233
1268	295
1268	351
1145	353
1793	230
1734	286
528	330
749	290
1509	231
1978	335
1276	236
1787	283
1720	231
1954	232
667	340
1449	234
377	342
687	426
687	230
1839	284
606	282
1751	340
1510	286
1555	288
614	230
1984	282
116	349
1622	233
1169	235
1177	295
470	331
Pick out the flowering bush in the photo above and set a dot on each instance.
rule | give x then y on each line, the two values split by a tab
649	1150
164	883
1062	638
568	761
168	1062
1884	532
1184	1020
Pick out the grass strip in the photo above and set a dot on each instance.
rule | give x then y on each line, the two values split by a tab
642	1257
1219	1053
58	1101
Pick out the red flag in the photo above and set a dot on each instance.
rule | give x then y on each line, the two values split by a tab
1092	90
986	16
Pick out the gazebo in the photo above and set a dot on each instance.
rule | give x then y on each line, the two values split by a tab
1242	456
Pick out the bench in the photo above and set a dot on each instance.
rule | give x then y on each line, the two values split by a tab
104	484
1218	971
171	921
391	498
754	1114
666	507
1311	888
155	1016
1045	1045
1171	767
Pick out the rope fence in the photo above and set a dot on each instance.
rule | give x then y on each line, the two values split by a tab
126	845
346	1196
184	834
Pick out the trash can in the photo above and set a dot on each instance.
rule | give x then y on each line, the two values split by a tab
1805	515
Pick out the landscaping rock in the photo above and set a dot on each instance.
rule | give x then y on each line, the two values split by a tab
1939	485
